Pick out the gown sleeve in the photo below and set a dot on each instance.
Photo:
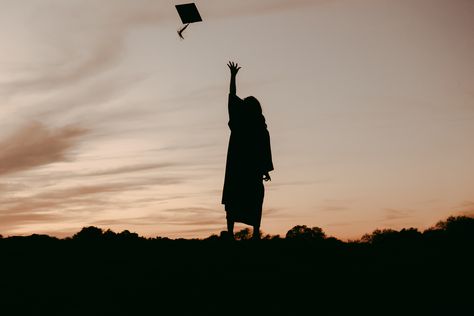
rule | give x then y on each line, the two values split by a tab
267	163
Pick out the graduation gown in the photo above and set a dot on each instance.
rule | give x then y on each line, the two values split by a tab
248	159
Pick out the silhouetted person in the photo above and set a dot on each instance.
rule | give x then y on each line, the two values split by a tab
249	159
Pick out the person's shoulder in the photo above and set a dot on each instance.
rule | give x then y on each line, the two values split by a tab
234	98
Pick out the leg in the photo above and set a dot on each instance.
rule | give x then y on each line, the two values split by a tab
256	232
258	209
230	227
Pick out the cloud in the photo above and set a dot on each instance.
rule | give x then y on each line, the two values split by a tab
36	145
8	187
132	169
191	210
157	219
85	196
347	223
88	97
10	221
103	56
81	203
466	208
86	36
70	204
179	222
251	7
62	199
394	214
336	205
335	208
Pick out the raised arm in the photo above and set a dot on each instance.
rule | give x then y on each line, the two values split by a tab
234	69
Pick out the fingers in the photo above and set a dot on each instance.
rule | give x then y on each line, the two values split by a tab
233	65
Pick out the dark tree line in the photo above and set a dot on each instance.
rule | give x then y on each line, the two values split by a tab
459	228
305	272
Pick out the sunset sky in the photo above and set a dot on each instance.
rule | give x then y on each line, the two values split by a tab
109	119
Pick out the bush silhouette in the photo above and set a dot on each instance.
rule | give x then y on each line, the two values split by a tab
302	232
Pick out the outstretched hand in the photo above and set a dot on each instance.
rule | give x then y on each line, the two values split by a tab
234	68
266	177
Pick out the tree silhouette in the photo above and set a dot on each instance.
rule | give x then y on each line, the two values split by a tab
379	235
109	235
303	232
127	235
393	236
460	226
270	237
90	233
458	229
243	234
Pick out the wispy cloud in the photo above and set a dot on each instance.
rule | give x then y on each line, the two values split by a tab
335	208
336	205
130	169
178	221
78	196
250	7
466	208
92	42
88	44
11	221
76	203
396	214
36	145
87	202
158	220
86	98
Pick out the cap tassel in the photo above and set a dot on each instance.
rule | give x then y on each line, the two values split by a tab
180	31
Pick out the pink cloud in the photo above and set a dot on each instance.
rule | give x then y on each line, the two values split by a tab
36	145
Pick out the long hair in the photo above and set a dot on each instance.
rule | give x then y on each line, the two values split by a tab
255	116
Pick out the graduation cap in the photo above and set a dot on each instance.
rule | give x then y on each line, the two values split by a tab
188	13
